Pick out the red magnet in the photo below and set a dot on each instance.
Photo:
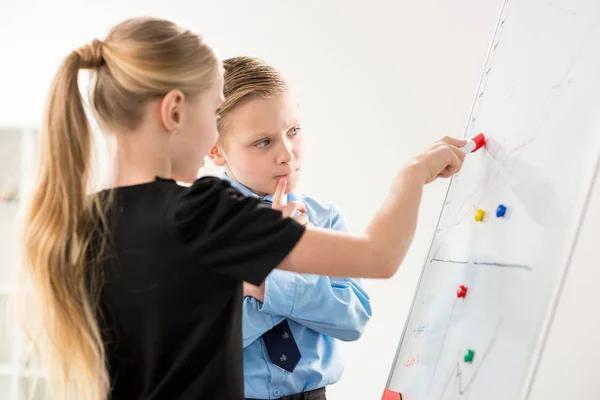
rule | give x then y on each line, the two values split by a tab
461	292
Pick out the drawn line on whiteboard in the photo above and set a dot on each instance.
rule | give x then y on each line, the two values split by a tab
550	102
457	373
496	175
488	186
441	348
566	80
484	263
455	395
560	8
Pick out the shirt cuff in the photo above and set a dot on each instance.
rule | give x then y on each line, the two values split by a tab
280	293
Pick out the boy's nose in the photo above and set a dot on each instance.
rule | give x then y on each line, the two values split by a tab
286	155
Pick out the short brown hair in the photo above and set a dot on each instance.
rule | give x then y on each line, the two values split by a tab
247	78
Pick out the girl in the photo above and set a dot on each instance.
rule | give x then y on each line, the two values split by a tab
260	140
139	287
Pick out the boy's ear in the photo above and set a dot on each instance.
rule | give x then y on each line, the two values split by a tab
216	155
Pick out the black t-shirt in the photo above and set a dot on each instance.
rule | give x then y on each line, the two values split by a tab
171	301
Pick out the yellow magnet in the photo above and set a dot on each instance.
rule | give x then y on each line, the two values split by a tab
479	215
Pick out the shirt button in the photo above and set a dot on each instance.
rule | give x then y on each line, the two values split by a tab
276	392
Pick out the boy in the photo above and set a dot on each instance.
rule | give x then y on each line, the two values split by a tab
292	323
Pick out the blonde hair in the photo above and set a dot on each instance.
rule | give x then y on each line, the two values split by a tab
247	78
140	60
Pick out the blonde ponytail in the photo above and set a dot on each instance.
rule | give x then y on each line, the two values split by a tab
59	224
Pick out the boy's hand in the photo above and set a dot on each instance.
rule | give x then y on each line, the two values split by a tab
258	292
288	210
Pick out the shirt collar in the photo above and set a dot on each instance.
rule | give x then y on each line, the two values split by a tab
246	191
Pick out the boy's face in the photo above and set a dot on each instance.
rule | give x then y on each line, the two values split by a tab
262	143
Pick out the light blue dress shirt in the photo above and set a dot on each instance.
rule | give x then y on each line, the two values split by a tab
321	311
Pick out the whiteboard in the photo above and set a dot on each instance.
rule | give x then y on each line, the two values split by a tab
538	103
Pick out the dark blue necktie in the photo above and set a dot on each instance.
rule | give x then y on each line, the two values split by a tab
279	340
281	346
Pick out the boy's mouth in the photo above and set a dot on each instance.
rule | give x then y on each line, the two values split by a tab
287	175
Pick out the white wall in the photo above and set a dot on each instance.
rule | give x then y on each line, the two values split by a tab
377	82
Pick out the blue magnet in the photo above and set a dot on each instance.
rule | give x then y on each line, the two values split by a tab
501	211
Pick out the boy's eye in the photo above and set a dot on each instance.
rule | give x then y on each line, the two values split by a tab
294	131
263	143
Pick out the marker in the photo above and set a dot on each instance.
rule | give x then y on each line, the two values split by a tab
474	144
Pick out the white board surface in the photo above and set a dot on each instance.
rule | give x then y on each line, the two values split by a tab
539	105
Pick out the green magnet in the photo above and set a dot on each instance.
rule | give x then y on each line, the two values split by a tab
469	356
